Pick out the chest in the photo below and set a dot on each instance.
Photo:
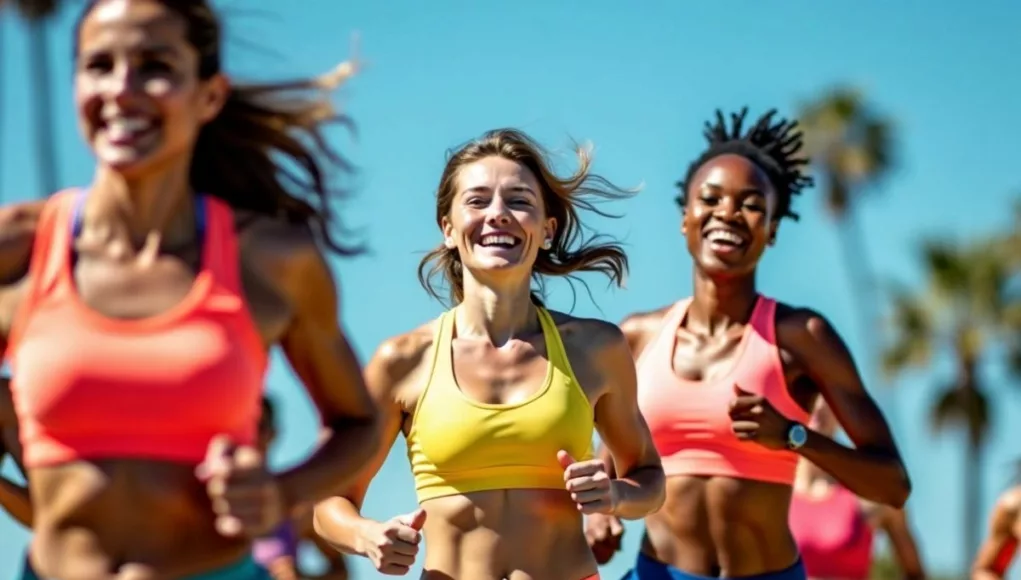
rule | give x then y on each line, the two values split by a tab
699	357
122	286
508	375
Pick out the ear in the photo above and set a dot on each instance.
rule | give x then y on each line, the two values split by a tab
684	221
448	234
550	229
773	225
214	95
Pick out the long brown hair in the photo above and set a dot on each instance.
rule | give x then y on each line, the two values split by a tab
265	152
564	199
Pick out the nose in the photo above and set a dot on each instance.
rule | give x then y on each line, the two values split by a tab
121	85
727	209
498	213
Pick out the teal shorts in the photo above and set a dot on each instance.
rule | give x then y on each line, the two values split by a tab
246	569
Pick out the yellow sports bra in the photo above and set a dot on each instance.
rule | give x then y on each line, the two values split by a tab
457	445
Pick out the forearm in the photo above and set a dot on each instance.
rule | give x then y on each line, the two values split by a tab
338	522
346	450
874	476
15	499
640	492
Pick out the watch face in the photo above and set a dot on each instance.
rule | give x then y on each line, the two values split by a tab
797	436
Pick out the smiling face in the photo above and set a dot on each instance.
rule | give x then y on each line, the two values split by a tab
497	221
729	215
138	94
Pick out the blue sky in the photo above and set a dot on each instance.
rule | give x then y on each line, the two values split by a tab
638	83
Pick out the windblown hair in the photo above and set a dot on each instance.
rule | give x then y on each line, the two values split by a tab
564	198
773	147
265	152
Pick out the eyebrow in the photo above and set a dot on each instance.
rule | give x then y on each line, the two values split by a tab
148	50
518	187
746	191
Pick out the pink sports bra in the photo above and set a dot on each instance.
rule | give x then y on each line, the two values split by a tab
689	420
833	535
86	386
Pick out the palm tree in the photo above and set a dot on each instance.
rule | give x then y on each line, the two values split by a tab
851	150
37	14
967	310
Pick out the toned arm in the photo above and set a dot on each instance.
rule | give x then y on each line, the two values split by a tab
639	481
894	523
873	469
998	549
337	519
320	355
13	497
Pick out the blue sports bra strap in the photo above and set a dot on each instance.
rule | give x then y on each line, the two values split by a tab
79	209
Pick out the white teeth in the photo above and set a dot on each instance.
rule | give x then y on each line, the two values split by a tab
122	127
498	240
724	236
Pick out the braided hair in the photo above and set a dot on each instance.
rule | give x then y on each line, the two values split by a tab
771	146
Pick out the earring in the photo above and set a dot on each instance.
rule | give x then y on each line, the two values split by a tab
547	244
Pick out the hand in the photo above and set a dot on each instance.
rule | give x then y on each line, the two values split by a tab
392	546
603	534
245	497
755	419
590	486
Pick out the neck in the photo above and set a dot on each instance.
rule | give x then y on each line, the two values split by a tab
497	312
717	303
158	203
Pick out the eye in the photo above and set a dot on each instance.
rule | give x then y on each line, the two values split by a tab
709	198
475	201
97	65
156	67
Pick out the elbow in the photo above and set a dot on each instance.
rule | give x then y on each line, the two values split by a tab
903	489
658	489
644	494
897	493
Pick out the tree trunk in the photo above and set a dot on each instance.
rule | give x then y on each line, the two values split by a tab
972	495
865	303
42	98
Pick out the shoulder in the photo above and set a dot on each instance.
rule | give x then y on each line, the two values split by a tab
398	357
18	224
593	336
645	322
288	256
1009	502
640	327
800	327
276	241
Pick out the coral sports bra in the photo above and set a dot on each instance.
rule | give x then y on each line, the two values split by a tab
87	386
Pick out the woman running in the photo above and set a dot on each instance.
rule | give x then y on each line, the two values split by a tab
726	378
834	529
137	314
278	552
1000	546
497	398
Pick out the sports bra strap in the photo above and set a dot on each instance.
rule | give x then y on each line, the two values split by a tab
79	209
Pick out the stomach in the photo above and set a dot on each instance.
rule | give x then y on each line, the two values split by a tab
125	520
516	534
722	526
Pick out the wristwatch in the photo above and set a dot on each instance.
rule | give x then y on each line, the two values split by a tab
797	436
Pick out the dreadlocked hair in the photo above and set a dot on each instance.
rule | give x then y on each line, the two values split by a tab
773	147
